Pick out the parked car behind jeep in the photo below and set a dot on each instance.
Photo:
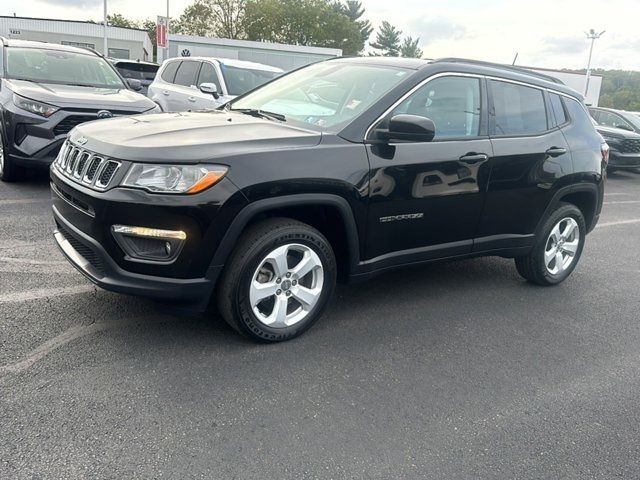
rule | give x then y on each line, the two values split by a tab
45	91
621	130
343	169
196	83
144	72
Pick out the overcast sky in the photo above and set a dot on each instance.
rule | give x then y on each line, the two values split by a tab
545	33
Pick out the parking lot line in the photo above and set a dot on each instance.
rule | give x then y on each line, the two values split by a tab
621	202
620	222
28	295
26	201
30	261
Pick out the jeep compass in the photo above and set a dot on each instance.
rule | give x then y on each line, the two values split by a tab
337	171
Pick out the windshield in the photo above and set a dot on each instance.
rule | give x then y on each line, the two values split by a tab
324	96
240	80
139	71
60	67
633	119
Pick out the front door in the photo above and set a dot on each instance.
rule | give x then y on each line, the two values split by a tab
426	198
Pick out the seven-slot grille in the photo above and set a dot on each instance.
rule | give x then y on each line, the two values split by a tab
630	145
85	167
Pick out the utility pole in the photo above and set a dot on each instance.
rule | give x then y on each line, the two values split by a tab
166	48
593	36
105	48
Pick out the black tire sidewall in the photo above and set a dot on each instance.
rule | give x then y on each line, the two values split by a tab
562	212
248	321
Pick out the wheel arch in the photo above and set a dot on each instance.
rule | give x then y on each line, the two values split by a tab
584	196
330	214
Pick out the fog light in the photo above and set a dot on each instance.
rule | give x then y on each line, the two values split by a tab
149	244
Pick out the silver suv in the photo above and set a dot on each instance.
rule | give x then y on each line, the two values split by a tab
197	83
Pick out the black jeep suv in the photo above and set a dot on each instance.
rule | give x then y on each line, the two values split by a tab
339	170
45	91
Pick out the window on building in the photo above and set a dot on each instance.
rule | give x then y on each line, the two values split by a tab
518	109
119	53
79	44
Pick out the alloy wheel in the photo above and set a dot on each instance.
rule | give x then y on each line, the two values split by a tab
286	286
562	246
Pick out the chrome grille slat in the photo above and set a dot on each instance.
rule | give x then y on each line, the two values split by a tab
85	167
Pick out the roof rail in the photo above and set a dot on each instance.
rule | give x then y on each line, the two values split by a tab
511	68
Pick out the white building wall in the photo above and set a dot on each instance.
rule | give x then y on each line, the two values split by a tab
58	31
577	81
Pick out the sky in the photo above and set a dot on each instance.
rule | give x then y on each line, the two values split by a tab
544	33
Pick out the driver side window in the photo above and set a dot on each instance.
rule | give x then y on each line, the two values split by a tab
452	103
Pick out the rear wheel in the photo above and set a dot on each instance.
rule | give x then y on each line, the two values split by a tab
278	280
558	248
9	171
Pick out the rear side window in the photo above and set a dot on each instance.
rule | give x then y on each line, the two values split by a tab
169	72
517	109
558	109
186	74
208	75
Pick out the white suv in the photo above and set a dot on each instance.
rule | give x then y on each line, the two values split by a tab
196	83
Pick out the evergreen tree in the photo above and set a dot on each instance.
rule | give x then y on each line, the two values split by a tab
410	48
387	40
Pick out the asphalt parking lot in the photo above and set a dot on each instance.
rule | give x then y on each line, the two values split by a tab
453	370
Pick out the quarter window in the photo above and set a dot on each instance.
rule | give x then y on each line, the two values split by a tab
169	72
186	74
517	109
558	109
452	103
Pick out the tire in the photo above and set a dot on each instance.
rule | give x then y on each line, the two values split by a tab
9	171
543	266
258	261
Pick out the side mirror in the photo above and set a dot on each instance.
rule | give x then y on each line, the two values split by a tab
210	88
135	84
408	128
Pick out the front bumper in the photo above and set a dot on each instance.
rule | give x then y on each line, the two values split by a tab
624	160
90	259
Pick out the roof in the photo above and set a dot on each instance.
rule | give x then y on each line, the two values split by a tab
69	21
232	62
11	42
399	62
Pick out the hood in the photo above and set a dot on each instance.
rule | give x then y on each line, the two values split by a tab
89	98
189	137
616	132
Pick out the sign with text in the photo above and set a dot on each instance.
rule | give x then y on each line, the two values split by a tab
161	32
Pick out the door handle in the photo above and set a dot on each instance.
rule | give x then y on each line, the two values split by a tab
192	99
164	92
473	158
556	151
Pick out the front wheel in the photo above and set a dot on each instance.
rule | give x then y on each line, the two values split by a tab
278	280
558	247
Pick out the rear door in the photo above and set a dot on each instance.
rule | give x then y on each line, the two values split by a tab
530	159
162	87
183	90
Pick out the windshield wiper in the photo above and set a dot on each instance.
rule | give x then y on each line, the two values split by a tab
260	113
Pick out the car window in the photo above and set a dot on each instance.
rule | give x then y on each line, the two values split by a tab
324	96
169	72
558	108
578	114
60	67
241	80
517	109
186	74
452	103
609	119
208	75
138	71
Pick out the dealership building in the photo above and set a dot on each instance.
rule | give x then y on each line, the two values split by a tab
128	43
278	55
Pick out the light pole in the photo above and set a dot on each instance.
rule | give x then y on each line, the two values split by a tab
593	36
105	49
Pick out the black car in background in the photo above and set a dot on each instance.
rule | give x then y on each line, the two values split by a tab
45	91
145	72
621	130
339	170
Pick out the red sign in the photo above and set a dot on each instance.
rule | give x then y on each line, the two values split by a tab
161	32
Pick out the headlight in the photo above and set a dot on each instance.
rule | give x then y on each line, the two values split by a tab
174	178
39	108
155	109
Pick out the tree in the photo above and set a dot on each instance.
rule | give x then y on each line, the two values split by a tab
197	19
354	11
301	22
410	49
228	17
118	20
387	40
